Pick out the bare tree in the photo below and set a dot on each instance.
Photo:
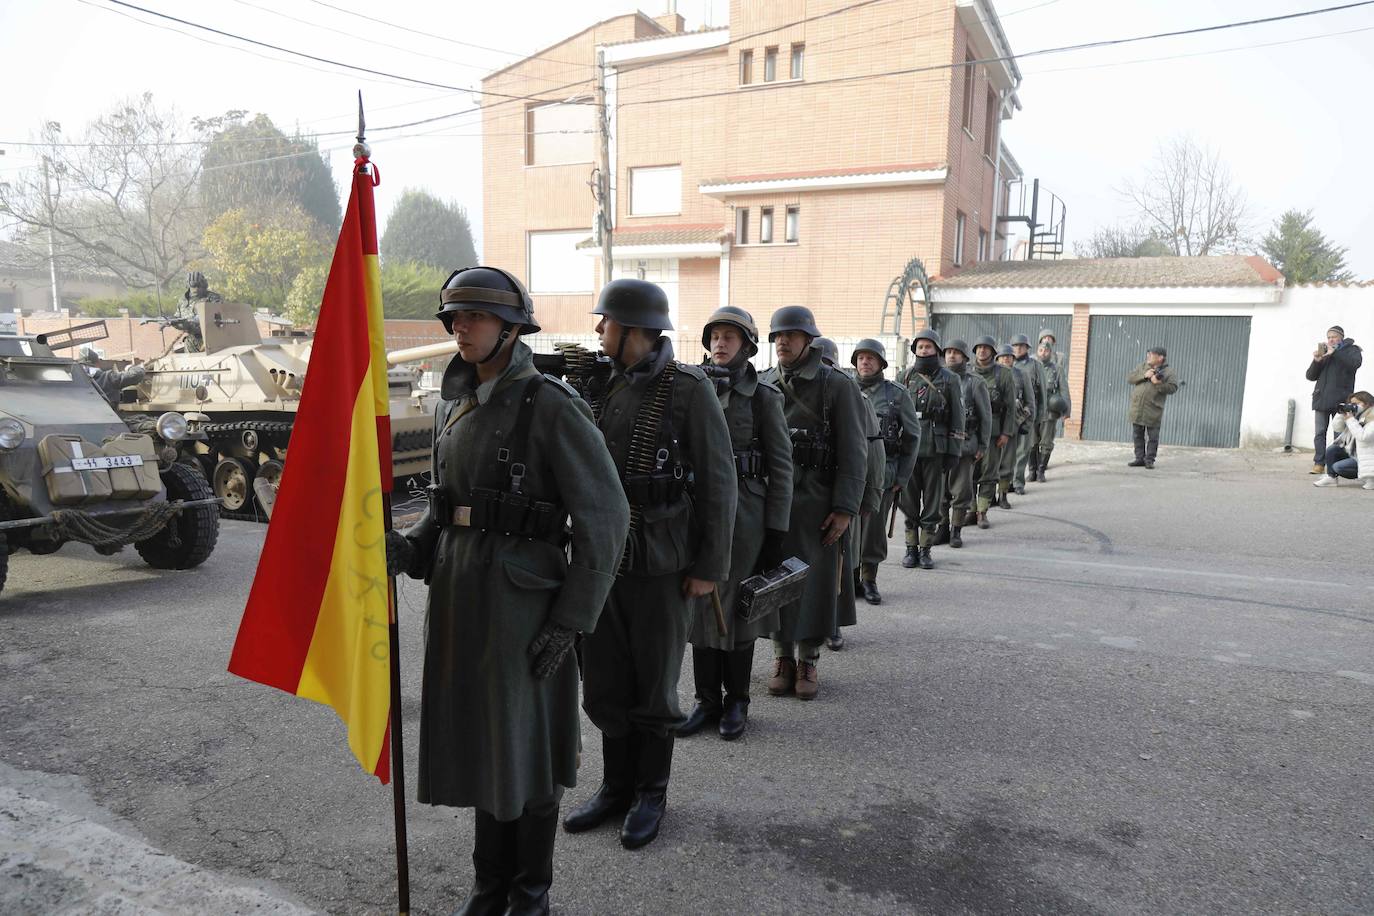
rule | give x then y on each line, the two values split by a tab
1189	200
122	200
1122	242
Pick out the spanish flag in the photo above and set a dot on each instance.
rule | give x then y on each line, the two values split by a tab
316	624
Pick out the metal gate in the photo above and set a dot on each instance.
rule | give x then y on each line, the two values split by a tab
1210	356
969	327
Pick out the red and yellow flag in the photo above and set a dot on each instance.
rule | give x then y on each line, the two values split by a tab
316	624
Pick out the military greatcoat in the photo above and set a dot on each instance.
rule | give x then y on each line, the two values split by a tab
902	430
753	413
491	736
816	393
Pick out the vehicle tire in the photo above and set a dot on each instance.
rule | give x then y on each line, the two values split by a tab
197	528
232	481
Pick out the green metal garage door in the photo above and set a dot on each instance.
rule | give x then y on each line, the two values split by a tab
1210	356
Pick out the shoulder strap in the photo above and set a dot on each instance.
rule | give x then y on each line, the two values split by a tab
513	455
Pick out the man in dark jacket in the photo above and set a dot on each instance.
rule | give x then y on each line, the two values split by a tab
1333	369
1027	443
960	478
663	426
938	398
1001	386
1151	382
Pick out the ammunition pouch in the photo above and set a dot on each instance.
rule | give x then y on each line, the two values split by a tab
750	463
657	489
812	451
497	512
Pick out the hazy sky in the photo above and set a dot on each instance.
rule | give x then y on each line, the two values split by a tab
1291	118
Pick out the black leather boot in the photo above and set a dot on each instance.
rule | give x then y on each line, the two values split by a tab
534	838
942	534
871	593
1002	501
739	665
909	560
617	786
1044	462
655	763
924	558
493	866
956	537
1033	472
707	671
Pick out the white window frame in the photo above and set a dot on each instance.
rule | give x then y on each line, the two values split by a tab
765	225
574	271
791	226
649	173
746	67
742	226
531	133
770	64
960	227
797	60
982	245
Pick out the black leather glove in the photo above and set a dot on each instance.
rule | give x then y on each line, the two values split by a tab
549	647
772	555
400	553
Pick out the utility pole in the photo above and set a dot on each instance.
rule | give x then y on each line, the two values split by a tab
605	216
52	249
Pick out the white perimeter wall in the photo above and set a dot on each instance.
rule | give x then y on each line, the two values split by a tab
1282	338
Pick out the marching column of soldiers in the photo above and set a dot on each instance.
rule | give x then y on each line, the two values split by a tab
591	532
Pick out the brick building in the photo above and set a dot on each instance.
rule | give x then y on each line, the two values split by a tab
777	160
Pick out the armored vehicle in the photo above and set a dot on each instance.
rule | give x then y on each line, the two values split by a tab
72	470
241	391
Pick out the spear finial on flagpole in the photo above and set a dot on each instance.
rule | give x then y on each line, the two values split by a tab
360	149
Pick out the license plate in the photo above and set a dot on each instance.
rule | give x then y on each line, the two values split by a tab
104	463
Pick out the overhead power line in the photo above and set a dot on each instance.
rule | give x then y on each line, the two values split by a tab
1063	49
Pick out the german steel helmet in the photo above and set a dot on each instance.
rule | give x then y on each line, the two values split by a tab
793	318
961	346
634	304
1006	351
486	289
828	349
1046	332
1019	340
1058	406
872	346
930	335
732	314
985	341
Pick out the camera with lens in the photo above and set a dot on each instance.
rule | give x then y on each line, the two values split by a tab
1349	407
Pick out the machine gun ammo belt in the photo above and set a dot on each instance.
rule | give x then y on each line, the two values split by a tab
648	479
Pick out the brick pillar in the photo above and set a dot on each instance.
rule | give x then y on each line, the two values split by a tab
1078	370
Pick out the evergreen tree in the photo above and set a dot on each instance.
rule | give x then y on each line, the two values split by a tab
285	172
426	230
1302	253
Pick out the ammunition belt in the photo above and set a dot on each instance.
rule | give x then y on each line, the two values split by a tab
749	463
644	474
497	512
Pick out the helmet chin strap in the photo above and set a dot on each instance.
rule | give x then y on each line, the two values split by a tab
506	328
620	347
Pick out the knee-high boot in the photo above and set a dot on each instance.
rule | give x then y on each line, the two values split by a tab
654	764
708	669
617	786
739	665
534	838
493	866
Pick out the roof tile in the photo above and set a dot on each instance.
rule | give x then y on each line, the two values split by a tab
1116	273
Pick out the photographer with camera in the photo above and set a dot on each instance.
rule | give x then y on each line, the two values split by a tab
1151	382
1333	367
1352	454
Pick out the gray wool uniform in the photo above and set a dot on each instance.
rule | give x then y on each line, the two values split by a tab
1056	381
938	400
959	493
491	735
1015	455
1029	444
1001	391
900	431
823	407
632	661
753	414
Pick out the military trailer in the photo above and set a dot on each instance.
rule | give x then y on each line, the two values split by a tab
72	470
240	392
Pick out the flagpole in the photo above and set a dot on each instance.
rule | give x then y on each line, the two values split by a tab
398	770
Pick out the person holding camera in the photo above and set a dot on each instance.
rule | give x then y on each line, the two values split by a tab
1152	381
1352	454
1333	367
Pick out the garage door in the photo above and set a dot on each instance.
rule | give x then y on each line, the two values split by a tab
970	327
1210	357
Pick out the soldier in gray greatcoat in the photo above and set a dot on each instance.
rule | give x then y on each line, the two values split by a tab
959	493
1054	370
1001	389
664	428
937	396
498	704
1024	413
825	414
763	468
900	432
1027	444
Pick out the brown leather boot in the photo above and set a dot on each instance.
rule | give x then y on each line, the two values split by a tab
807	682
784	677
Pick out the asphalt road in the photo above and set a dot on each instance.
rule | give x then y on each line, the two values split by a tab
1139	692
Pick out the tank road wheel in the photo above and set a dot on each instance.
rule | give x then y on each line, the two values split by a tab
190	536
271	470
232	481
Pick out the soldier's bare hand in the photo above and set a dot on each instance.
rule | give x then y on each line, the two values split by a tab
978	456
1002	441
834	527
696	588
